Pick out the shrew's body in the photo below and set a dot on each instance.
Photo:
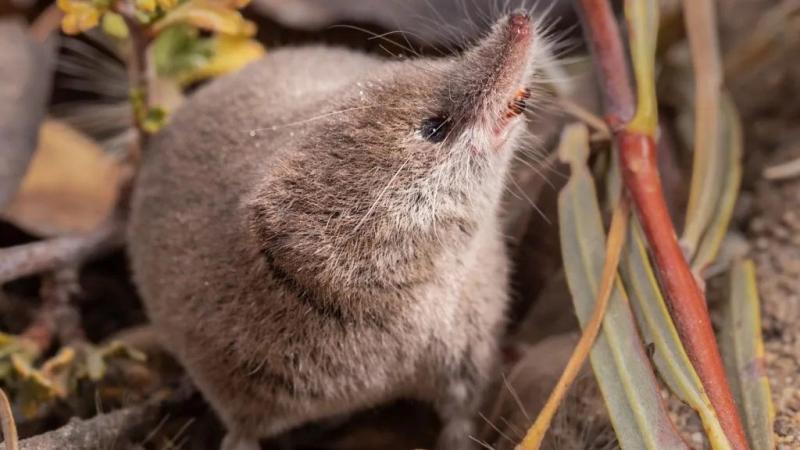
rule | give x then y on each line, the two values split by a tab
319	233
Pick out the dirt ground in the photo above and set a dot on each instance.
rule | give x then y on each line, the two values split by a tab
775	235
769	210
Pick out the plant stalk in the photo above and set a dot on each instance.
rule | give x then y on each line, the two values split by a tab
616	240
641	178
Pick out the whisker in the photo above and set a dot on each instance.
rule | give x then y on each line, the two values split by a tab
481	443
381	194
518	432
515	396
374	35
496	428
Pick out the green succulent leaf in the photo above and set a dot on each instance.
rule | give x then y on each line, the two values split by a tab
727	162
670	357
180	49
619	359
743	352
216	16
114	25
154	119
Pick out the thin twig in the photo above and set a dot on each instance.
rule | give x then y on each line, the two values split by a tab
790	169
616	239
584	115
99	432
137	75
29	259
104	431
57	292
606	46
9	426
46	23
57	317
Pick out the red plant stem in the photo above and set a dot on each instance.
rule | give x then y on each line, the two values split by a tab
641	178
603	38
686	301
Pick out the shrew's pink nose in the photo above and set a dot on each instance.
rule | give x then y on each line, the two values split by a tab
520	24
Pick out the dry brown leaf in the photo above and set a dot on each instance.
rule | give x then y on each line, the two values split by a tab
70	187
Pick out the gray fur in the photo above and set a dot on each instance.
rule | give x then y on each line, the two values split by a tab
305	252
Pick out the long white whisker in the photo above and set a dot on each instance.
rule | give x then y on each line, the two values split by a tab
383	191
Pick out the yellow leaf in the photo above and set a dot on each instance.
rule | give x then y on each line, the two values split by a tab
17	345
114	25
69	24
34	390
78	16
235	4
88	18
208	15
167	5
57	363
146	5
121	349
70	187
231	53
57	371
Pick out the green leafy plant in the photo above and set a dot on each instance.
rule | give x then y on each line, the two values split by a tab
35	384
164	49
166	34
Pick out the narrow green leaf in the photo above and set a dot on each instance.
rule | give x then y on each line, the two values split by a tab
743	352
727	160
619	360
700	17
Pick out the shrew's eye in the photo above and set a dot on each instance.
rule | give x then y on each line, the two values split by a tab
435	129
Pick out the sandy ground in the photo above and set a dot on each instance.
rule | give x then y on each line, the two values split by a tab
775	235
769	210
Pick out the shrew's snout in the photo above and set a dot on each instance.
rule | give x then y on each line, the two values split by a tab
514	43
501	63
487	87
520	24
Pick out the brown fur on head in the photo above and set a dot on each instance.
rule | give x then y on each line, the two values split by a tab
419	161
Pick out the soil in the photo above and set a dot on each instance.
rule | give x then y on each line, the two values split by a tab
775	235
769	210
